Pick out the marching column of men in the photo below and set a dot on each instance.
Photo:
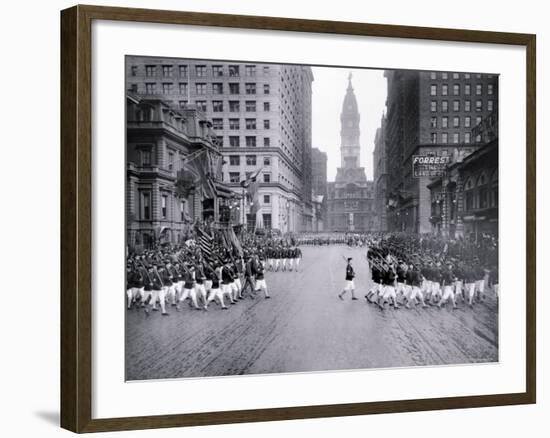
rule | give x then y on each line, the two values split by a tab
170	276
283	257
406	272
164	278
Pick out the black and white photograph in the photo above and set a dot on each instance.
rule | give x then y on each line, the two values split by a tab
286	218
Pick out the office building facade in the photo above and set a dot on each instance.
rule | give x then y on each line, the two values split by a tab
429	114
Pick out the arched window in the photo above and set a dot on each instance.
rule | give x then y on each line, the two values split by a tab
483	190
469	194
482	179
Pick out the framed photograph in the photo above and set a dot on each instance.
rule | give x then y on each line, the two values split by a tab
269	218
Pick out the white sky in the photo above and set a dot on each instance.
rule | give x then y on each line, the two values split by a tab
329	89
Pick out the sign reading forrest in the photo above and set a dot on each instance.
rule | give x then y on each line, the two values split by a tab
429	166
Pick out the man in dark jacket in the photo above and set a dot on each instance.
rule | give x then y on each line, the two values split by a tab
158	291
249	277
260	278
350	284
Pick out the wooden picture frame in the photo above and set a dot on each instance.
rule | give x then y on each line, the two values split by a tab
76	217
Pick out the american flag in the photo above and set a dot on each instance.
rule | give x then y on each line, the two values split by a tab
205	244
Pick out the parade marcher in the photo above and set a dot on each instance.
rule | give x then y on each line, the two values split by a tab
469	283
235	290
148	287
481	279
189	286
158	292
447	281
200	288
401	273
290	254
135	285
169	280
459	282
389	295
376	275
297	257
414	283
260	278
427	274
227	280
350	284
270	260
239	268
249	277
177	273
277	257
215	293
130	276
436	283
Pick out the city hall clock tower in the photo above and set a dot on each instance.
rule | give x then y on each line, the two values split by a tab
350	196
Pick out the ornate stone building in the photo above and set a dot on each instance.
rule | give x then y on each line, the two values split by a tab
464	202
351	195
172	173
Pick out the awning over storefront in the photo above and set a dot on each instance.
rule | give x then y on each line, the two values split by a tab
487	214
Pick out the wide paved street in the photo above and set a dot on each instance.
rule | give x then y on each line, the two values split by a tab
305	327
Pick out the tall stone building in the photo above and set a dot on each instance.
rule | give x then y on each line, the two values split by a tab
319	172
380	176
351	196
320	186
429	114
261	114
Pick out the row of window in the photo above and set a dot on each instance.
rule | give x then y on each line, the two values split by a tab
145	156
167	71
145	206
482	194
445	76
481	198
201	88
250	141
443	138
236	123
234	106
251	221
444	89
444	105
251	160
457	122
235	177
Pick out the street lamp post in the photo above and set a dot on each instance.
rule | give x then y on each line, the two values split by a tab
243	202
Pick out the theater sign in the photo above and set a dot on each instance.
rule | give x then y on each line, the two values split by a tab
429	165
